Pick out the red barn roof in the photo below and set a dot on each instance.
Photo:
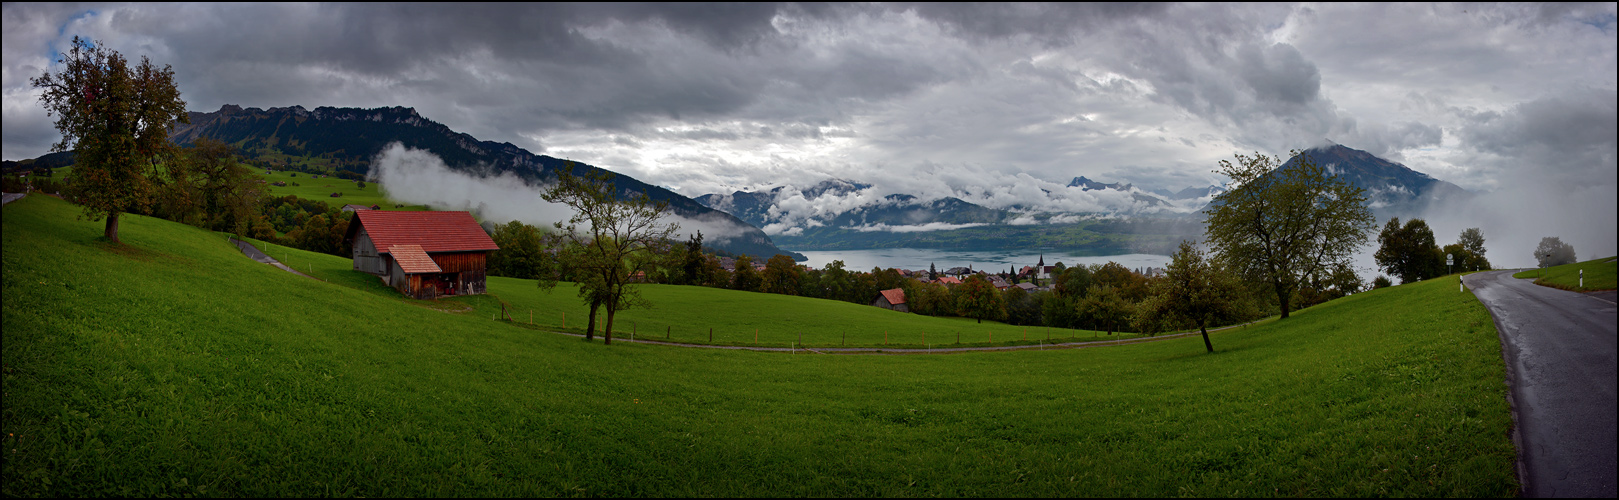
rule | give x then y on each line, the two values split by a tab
434	231
895	296
412	260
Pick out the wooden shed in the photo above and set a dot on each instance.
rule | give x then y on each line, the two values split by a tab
422	254
892	299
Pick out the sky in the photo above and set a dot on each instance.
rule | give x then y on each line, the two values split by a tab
991	103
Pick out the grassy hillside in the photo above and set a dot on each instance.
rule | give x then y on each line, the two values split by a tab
686	313
1600	274
175	366
321	190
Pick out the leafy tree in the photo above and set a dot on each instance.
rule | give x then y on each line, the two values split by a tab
836	280
781	275
1381	282
1198	291
1409	251
1132	286
524	253
745	277
1021	307
229	193
693	263
1280	225
621	237
117	118
1059	311
1553	252
976	298
1073	282
1104	308
1471	241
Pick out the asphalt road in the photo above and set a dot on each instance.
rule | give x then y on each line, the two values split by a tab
1561	365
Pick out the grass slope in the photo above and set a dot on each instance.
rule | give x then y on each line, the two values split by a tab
686	313
321	190
175	366
1600	274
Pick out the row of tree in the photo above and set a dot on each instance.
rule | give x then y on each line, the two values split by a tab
1408	251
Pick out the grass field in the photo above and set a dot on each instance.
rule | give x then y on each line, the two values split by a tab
174	366
685	314
321	190
1600	274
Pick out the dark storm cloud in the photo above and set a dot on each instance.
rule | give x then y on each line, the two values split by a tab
995	102
1052	23
1570	138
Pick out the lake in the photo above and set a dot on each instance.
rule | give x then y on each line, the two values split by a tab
988	261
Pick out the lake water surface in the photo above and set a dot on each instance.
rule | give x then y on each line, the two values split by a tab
988	261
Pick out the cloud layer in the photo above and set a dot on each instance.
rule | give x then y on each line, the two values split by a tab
987	102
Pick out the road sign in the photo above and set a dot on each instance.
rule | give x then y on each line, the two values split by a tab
1449	259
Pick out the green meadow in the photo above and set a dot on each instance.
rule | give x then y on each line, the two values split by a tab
686	314
321	189
1600	274
175	366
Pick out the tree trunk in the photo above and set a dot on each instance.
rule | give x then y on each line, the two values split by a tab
112	228
590	326
607	331
1206	343
1282	296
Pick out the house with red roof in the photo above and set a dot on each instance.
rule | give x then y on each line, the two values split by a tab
892	299
422	254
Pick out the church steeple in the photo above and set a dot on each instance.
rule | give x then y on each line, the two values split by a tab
1042	263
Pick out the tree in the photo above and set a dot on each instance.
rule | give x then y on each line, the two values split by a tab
621	238
525	253
117	118
781	275
1472	242
1021	307
1103	307
1553	252
745	277
227	188
1198	291
976	298
693	264
1409	251
1280	225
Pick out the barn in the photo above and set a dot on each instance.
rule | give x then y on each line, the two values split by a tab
424	255
892	299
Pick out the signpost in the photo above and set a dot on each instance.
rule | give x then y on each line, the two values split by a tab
1448	260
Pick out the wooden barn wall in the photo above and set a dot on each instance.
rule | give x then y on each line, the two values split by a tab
460	262
366	258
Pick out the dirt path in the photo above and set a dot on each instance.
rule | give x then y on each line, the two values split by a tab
253	253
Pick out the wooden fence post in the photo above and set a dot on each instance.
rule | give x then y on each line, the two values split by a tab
564	321
885	337
710	334
755	336
666	331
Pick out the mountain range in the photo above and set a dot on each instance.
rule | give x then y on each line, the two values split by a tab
349	138
832	214
1392	189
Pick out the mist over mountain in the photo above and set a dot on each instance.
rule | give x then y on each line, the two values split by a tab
353	139
1392	189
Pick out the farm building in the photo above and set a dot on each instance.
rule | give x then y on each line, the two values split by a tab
422	254
352	207
892	299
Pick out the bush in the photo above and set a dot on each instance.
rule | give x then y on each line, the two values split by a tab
1381	282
